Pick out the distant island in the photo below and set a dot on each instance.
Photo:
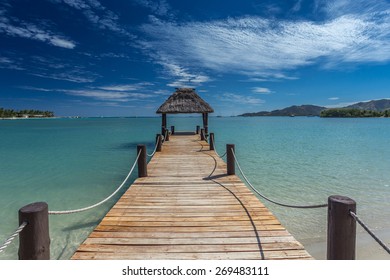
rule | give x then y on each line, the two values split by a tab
10	113
374	108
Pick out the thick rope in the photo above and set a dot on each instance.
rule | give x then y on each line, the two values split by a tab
270	200
204	136
12	237
101	202
370	232
155	149
164	136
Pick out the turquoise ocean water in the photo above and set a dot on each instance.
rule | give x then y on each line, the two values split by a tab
73	163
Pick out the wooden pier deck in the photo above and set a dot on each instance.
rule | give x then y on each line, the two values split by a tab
188	208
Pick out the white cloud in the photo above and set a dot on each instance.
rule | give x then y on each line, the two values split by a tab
75	76
98	15
240	99
261	90
18	28
260	47
182	76
333	98
159	7
119	87
106	93
7	63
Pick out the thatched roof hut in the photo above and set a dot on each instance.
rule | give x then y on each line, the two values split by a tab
185	101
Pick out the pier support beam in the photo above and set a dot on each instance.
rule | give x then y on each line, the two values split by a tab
231	167
34	240
197	129
341	228
211	140
172	129
142	163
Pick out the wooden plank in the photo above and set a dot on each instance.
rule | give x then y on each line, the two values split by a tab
188	208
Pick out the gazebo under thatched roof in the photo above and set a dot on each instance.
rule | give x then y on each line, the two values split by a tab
185	101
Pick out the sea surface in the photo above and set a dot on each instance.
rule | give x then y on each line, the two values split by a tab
73	163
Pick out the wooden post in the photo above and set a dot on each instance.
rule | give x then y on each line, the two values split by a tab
166	134
211	140
142	164
34	240
197	129
231	167
163	130
202	134
341	228
163	120
205	122
173	129
158	142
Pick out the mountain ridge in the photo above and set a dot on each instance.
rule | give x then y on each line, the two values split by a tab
314	110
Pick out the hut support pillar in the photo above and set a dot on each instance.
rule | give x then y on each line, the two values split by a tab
163	123
206	123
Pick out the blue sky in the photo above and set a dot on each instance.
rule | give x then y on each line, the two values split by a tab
125	57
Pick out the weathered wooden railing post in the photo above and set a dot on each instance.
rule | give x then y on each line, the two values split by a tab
172	129
166	134
197	129
341	228
231	167
202	134
34	240
163	130
211	140
158	142
142	164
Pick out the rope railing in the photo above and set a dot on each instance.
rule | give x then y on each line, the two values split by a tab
370	232
268	199
155	149
102	201
9	240
204	135
164	136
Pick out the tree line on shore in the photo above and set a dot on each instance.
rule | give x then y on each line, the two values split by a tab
353	113
10	113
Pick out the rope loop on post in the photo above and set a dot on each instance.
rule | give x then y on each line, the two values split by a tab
101	202
9	240
370	232
270	200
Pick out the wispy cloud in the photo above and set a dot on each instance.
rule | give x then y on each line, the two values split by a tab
98	15
75	76
8	63
159	7
333	98
182	76
260	47
261	90
240	99
18	28
117	94
108	95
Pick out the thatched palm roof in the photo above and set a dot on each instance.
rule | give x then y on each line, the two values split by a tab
184	100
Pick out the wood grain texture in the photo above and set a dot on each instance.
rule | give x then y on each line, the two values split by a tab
189	208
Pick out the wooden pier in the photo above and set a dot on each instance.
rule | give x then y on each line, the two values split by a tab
189	208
